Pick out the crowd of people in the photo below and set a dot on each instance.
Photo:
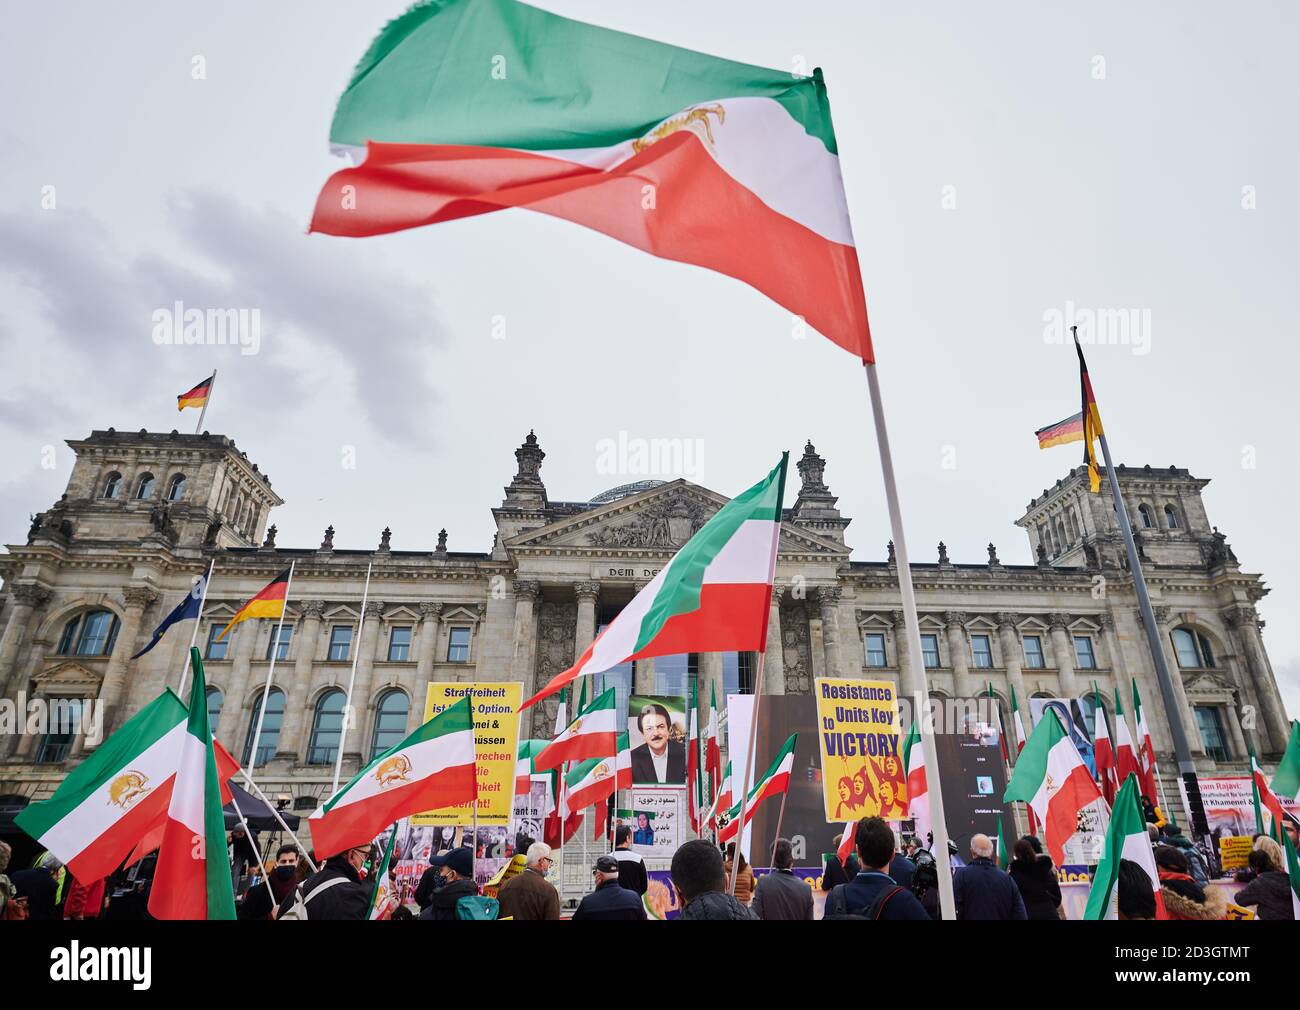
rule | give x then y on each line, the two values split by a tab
876	881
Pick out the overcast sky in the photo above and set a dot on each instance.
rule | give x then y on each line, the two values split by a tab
1002	162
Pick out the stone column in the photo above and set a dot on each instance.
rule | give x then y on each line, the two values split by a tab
110	691
1012	657
27	597
828	602
1245	622
368	645
959	653
908	678
1194	743
430	622
524	661
1063	653
237	697
584	631
1239	748
1117	665
710	674
774	659
292	744
643	670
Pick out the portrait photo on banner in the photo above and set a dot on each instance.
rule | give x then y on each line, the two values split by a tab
656	728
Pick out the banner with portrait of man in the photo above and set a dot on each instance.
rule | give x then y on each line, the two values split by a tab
657	735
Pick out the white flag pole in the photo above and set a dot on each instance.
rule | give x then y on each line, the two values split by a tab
203	412
352	679
938	824
270	675
198	623
275	811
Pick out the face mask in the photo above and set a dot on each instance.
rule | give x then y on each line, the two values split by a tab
283	873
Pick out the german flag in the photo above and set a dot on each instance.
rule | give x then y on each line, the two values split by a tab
1091	418
1061	433
268	603
197	396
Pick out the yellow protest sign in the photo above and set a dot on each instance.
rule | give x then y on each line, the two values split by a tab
862	764
1234	851
496	738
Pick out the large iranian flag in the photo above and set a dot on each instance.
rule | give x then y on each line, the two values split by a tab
1146	754
1126	756
592	734
918	792
1126	838
590	782
1286	780
465	107
1103	755
120	794
713	596
1052	778
773	782
1265	799
192	878
433	767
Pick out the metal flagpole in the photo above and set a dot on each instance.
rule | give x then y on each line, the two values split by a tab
352	677
275	812
1183	754
203	412
771	862
198	621
261	857
270	674
938	823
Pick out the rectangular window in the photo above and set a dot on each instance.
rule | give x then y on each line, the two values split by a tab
875	650
1034	652
458	645
980	650
1211	729
672	674
737	676
215	649
340	643
281	650
930	650
399	645
1083	653
62	730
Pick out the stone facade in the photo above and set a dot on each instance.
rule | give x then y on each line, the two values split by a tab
557	569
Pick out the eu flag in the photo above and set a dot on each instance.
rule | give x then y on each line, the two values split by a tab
188	608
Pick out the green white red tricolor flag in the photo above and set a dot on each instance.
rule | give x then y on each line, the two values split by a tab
524	765
383	899
1052	778
1103	755
592	734
433	767
1020	745
918	792
773	782
1286	780
1126	757
712	751
119	795
1265	799
466	107
845	848
192	877
1146	754
1293	874
722	798
713	596
694	795
1126	838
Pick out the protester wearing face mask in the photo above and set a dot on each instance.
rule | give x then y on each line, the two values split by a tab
347	896
455	870
283	876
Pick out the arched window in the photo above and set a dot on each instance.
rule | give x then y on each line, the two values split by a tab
270	738
112	484
1144	513
215	699
326	728
1171	517
144	489
176	489
1193	649
91	634
390	721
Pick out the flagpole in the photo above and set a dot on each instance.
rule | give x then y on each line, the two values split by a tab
275	812
203	412
198	622
1183	754
352	677
771	862
261	858
270	674
938	822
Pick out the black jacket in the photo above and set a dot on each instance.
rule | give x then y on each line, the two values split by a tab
1271	891
782	895
631	871
610	902
342	901
643	766
1038	887
982	891
715	905
442	903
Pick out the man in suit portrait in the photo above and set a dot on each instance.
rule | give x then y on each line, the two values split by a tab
661	759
